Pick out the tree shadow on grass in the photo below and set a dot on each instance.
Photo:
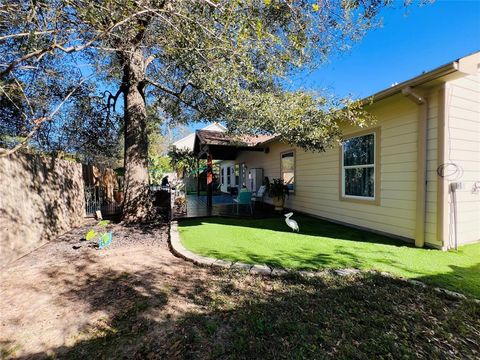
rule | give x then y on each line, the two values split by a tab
305	258
302	259
362	317
374	317
465	280
308	226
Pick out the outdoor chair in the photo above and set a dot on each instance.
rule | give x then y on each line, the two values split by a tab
244	198
260	194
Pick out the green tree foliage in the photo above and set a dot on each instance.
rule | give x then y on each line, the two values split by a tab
158	166
183	161
214	60
190	60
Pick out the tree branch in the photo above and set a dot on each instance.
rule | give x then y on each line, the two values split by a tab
176	94
114	98
25	34
39	121
69	49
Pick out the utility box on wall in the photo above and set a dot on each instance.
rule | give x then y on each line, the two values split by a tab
255	179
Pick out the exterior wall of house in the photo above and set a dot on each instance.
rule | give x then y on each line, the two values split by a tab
188	141
185	143
462	124
318	186
452	136
435	100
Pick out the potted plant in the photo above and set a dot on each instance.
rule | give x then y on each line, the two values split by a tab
277	190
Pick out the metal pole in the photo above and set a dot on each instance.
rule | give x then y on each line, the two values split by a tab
198	177
209	180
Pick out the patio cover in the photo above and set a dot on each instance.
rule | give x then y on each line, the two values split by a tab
217	145
223	146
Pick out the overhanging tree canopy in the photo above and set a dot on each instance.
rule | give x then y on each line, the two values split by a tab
191	60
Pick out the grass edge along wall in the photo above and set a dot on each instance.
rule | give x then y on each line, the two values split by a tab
452	107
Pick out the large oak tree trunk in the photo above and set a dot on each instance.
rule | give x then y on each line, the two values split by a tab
137	205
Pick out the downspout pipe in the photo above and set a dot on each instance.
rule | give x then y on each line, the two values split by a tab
422	104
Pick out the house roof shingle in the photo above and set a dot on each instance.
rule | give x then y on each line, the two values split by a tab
209	137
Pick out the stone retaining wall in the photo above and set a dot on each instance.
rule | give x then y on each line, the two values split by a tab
40	198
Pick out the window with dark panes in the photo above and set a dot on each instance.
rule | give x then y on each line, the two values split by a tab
358	167
236	170
288	169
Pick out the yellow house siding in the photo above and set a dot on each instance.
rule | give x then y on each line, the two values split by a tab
431	208
463	148
452	136
317	186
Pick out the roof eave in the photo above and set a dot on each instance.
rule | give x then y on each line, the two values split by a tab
416	81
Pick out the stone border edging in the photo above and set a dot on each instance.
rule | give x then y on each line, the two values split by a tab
179	250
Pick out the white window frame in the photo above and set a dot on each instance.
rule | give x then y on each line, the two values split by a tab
374	166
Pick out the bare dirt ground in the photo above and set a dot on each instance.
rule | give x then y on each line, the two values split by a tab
135	300
51	296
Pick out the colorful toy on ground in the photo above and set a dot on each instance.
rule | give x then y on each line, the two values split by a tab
104	238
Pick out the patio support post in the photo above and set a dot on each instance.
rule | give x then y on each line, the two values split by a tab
198	176
209	180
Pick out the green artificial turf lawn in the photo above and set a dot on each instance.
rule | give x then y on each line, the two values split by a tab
322	244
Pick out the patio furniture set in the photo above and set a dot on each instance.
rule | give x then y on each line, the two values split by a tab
248	197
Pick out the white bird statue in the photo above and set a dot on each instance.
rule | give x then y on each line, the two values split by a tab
291	223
